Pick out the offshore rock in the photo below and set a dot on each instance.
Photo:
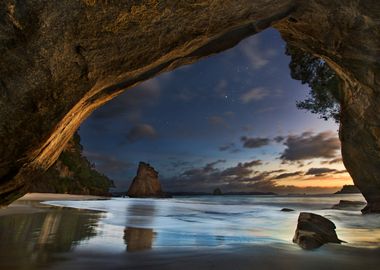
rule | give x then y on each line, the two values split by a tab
287	210
349	205
217	191
146	183
348	189
314	231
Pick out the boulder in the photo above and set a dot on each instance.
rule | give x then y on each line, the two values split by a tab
314	231
146	183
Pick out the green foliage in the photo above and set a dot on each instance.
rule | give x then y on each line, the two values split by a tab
324	86
82	178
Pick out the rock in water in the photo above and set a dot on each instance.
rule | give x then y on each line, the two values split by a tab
287	210
217	191
349	205
146	183
314	231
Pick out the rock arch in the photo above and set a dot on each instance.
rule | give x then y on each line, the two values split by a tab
60	60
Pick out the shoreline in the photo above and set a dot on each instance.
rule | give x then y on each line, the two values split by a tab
31	202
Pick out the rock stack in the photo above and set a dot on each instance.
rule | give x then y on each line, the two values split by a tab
146	183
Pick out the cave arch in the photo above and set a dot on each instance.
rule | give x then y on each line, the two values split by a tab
62	60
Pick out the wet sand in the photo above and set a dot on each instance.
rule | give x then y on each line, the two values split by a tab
30	203
266	257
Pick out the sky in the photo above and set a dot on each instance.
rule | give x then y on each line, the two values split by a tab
227	121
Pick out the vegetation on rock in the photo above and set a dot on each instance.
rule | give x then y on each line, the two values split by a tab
324	93
73	173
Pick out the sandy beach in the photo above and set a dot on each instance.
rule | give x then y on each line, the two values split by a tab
30	203
248	257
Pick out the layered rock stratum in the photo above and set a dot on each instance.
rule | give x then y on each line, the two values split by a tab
60	60
146	183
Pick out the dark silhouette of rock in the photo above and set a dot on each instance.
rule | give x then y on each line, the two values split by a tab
57	66
287	210
217	191
348	189
314	231
146	183
349	205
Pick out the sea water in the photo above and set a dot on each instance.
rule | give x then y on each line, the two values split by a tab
221	220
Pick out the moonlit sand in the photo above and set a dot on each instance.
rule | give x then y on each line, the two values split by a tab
200	232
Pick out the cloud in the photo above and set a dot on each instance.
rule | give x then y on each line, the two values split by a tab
141	131
230	147
241	177
333	161
320	171
258	57
217	121
185	95
241	170
252	142
203	172
254	94
108	164
309	145
287	175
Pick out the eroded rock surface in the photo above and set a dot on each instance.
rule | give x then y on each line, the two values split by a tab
314	231
60	60
146	183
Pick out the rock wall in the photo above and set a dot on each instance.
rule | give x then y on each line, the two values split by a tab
60	60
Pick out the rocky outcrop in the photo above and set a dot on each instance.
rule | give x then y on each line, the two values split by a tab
60	60
348	205
348	189
146	183
314	231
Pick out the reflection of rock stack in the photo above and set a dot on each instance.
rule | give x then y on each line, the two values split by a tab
138	238
146	183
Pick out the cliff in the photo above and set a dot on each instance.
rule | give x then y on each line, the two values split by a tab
72	173
146	183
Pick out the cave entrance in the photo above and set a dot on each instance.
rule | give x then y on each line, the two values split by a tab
229	121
